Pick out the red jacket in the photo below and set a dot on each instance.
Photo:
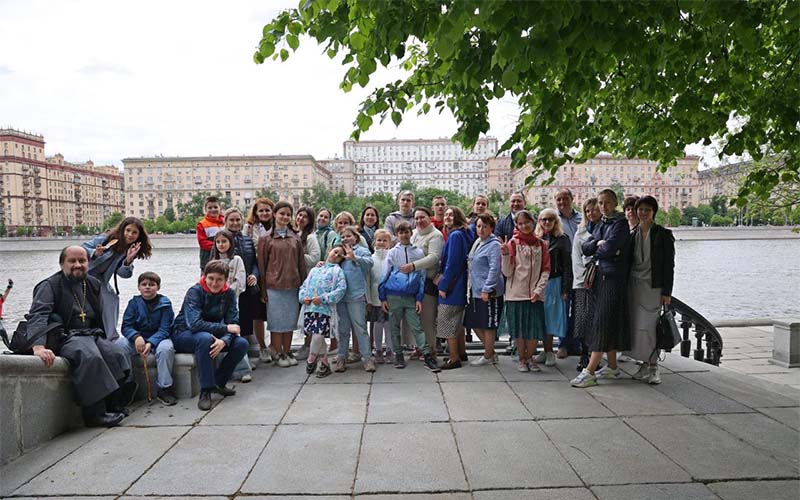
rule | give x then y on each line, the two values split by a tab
207	228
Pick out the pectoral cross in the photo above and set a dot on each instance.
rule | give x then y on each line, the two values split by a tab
83	316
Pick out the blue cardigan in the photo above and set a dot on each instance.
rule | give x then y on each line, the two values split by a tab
154	326
453	267
484	268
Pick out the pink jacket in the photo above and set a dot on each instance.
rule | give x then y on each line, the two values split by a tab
527	272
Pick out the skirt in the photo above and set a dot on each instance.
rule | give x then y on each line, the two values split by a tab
250	308
583	312
283	308
644	307
525	319
483	315
315	323
610	328
555	309
449	321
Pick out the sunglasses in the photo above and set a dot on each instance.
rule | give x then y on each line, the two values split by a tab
547	219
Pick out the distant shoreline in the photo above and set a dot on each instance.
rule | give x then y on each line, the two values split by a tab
682	233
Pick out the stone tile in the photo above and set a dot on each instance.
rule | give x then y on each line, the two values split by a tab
787	416
751	367
329	404
791	378
426	453
413	372
417	496
678	364
743	391
330	453
61	498
763	433
630	397
399	403
207	461
16	473
471	374
172	498
558	400
271	373
543	494
508	369
121	454
355	374
263	406
697	397
706	450
511	455
594	451
688	491
747	490
155	414
483	401
292	497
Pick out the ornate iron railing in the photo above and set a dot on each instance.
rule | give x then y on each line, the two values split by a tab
703	331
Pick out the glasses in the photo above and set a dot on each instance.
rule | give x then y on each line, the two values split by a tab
547	219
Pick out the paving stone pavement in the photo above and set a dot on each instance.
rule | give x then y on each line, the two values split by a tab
478	433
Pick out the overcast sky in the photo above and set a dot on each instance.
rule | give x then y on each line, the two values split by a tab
106	80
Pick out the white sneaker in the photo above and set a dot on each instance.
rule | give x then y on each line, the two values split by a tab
245	379
623	358
643	374
607	373
292	359
302	353
283	361
550	359
523	367
584	379
481	361
541	357
655	375
264	356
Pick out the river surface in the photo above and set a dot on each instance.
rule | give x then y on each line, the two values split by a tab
720	279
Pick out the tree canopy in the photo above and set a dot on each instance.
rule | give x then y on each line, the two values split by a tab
635	79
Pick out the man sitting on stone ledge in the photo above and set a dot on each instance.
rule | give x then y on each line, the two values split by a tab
66	320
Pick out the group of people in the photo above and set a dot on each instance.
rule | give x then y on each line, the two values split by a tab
421	283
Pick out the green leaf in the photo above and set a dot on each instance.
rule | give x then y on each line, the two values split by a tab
357	40
293	41
266	49
284	55
397	117
510	78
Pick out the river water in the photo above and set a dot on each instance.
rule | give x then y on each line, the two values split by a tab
721	279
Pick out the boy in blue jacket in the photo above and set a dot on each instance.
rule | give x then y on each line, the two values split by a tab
146	328
401	294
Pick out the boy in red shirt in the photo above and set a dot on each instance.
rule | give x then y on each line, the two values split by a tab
208	227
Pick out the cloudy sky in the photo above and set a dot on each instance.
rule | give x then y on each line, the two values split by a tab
108	80
105	80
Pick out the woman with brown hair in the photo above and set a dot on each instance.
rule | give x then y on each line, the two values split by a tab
111	254
259	222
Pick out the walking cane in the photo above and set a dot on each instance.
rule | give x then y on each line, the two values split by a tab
147	379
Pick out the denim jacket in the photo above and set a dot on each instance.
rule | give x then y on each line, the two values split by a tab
203	311
356	274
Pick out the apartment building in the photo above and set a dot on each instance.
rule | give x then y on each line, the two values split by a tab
155	183
49	194
383	166
678	187
723	180
342	174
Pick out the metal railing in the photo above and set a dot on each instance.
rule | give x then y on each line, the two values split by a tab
703	331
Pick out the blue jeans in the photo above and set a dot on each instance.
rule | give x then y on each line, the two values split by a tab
353	315
199	344
165	359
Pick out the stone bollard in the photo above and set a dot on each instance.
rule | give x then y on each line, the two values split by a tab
786	343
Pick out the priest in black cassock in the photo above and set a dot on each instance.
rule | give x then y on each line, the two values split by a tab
66	320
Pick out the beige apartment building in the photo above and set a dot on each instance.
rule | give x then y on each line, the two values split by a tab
678	187
155	183
723	180
51	195
342	174
382	166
